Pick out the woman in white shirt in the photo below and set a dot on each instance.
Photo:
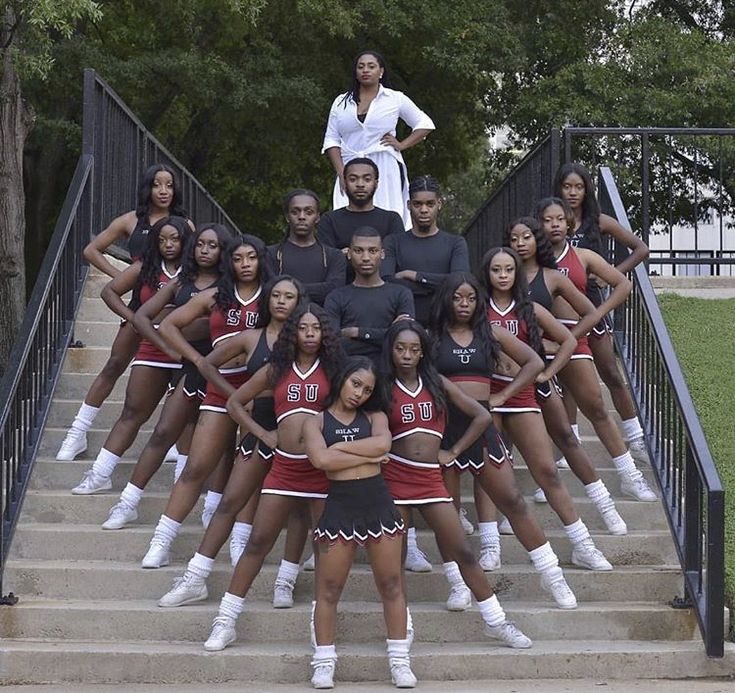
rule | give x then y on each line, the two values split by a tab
362	123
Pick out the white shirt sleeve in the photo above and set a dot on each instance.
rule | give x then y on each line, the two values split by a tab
332	136
413	116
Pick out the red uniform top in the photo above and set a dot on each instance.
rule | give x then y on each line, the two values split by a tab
414	412
508	318
301	393
147	292
569	264
226	322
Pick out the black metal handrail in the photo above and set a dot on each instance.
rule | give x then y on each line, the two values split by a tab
692	492
38	353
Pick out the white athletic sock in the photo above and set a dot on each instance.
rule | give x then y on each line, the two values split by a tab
231	605
180	464
211	501
632	428
166	530
543	558
577	532
325	653
489	533
411	538
288	572
454	577
398	649
575	430
599	495
200	565
242	531
85	417
131	495
624	464
491	611
105	463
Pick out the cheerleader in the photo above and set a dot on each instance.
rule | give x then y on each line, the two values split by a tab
349	441
579	376
544	284
158	197
154	361
230	308
283	294
573	184
305	357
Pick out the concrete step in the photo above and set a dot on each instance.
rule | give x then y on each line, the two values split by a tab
50	542
71	579
358	621
97	333
32	661
61	506
96	310
73	386
62	413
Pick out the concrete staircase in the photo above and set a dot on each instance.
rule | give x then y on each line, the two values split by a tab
87	612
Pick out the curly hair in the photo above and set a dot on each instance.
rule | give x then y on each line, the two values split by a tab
544	252
189	267
285	350
354	364
142	207
519	294
226	285
443	316
264	310
426	368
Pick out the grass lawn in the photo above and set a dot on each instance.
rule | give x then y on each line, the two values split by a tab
703	332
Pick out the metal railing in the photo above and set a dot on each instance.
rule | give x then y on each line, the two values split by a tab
35	361
123	149
692	492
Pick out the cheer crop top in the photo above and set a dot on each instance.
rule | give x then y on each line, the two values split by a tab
301	393
460	363
571	266
414	412
261	354
334	431
187	290
538	292
226	322
138	239
146	292
507	318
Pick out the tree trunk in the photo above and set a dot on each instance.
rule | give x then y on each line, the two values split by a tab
15	122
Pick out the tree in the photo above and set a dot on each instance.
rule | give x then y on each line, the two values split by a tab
26	37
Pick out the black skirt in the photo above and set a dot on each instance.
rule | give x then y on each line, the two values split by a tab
360	511
264	414
473	457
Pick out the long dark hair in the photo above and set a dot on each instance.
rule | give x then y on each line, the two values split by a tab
226	285
150	270
544	251
285	349
189	267
426	368
590	205
353	364
176	208
542	205
354	91
264	310
519	294
442	313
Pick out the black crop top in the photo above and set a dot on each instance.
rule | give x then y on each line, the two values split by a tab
453	360
335	431
538	292
261	354
138	240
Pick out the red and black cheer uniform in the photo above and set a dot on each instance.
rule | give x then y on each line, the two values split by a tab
298	393
525	400
467	364
569	264
149	354
359	510
224	323
411	482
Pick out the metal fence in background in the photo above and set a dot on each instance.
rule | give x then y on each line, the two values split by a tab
692	493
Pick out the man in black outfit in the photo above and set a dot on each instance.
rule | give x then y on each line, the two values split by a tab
365	309
301	255
424	256
361	181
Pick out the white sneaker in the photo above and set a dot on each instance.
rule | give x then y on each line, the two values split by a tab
237	546
157	556
504	527
557	586
75	443
172	454
634	485
401	674
223	633
507	632
92	483
282	594
186	590
637	448
467	526
459	599
539	496
562	463
490	557
121	514
207	515
614	523
309	564
587	555
416	561
323	673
